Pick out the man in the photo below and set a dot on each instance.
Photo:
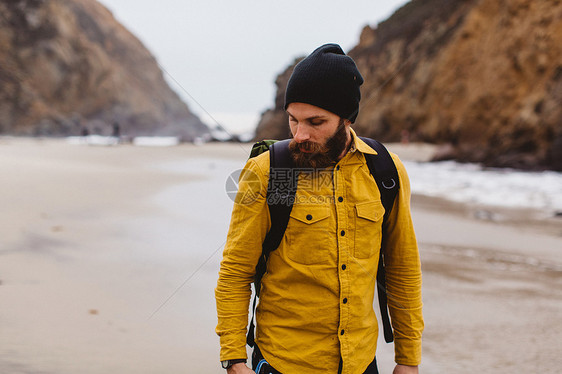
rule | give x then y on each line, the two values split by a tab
315	313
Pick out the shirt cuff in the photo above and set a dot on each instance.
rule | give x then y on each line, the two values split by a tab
407	351
233	346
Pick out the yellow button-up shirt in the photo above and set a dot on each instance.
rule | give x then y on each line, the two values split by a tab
316	303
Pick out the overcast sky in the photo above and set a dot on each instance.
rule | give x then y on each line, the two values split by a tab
226	54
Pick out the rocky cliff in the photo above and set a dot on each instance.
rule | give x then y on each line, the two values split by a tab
484	76
68	65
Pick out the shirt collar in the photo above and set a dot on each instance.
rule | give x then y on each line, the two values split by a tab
359	145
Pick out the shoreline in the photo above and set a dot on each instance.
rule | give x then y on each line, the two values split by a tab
523	218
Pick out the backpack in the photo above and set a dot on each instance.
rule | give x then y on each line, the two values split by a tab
280	198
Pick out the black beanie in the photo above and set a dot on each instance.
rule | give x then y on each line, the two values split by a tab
328	79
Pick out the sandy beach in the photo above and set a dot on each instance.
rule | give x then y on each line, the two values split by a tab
109	258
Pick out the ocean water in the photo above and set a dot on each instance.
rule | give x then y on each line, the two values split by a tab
474	184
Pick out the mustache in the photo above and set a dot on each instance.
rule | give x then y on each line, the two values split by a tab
318	155
308	147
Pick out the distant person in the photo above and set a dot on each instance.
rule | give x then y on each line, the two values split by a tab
405	136
315	311
84	135
116	130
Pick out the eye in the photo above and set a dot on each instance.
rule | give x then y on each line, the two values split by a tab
316	122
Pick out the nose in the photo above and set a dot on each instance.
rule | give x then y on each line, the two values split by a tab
301	135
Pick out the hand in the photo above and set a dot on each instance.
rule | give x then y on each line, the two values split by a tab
239	368
403	369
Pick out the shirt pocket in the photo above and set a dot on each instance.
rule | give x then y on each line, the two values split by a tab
368	228
308	234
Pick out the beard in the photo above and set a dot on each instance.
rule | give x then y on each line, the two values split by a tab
319	156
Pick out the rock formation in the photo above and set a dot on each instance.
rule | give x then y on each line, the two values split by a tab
483	76
67	66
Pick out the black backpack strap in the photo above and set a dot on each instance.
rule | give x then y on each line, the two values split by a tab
281	190
384	171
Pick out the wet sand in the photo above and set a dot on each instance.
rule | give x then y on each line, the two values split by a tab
109	258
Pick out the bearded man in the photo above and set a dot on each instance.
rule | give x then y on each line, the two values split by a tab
315	313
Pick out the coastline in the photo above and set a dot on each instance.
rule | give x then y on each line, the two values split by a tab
110	255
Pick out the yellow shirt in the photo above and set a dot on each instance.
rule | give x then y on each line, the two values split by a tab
317	295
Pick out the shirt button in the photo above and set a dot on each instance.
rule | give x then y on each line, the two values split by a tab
342	233
342	332
309	217
345	300
340	199
343	267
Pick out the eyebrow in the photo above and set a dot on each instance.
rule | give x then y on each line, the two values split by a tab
310	118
